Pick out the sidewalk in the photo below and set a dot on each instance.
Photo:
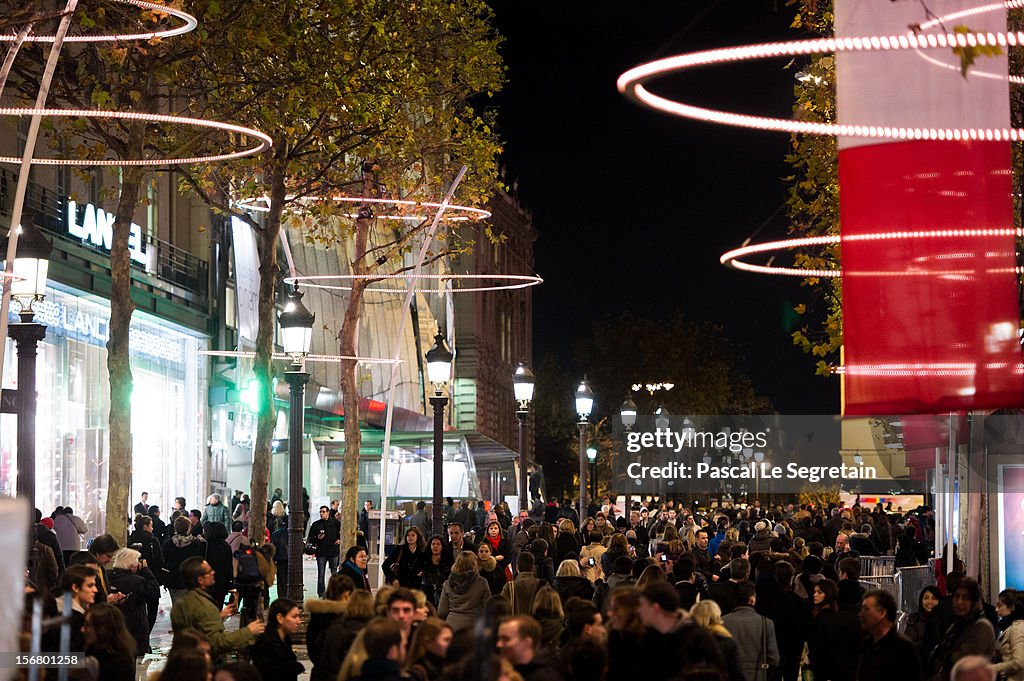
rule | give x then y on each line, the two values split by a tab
161	636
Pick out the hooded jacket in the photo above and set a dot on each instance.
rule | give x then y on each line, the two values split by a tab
494	574
463	597
322	614
177	549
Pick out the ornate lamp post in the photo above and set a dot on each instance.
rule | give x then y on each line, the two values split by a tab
30	267
439	372
296	337
584	405
522	384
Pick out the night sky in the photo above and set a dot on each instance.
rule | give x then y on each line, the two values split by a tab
633	207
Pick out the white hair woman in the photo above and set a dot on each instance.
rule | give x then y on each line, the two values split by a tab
130	576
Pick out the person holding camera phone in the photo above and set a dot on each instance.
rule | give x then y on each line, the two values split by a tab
590	557
130	576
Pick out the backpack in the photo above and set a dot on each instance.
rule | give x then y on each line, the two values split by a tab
247	572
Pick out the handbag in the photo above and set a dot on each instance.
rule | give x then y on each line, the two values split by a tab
310	548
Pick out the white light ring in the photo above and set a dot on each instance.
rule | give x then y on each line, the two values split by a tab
265	141
969	12
733	258
471	213
189	25
516	281
308	358
632	84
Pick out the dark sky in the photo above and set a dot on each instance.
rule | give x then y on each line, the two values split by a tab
634	207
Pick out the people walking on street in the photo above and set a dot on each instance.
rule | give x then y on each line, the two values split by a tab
325	535
885	653
754	635
969	634
109	642
1010	646
69	529
465	593
215	512
403	566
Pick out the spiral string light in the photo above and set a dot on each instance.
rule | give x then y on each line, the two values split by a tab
511	281
264	141
189	23
459	213
633	84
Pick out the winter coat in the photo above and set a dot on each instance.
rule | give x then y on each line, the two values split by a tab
216	513
142	590
404	565
520	592
274	657
761	541
1011	652
594	551
748	630
322	614
196	610
494	574
434	576
566	545
567	587
463	597
69	529
551	631
972	635
324	534
177	549
113	666
46	573
358	577
220	558
502	548
336	642
150	551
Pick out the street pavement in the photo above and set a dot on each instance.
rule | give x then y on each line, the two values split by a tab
161	636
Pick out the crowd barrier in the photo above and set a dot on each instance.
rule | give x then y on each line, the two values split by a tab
911	580
883	582
877	566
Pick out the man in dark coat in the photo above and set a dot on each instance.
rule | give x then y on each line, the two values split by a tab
885	654
672	641
705	563
790	613
325	533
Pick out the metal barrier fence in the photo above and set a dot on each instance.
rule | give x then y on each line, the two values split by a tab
910	581
877	566
883	582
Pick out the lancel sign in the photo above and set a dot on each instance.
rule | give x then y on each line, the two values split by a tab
96	226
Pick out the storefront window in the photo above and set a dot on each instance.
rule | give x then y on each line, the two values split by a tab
168	411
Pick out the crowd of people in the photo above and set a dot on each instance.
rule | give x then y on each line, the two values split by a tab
731	594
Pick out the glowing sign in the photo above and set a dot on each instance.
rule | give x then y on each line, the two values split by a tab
97	228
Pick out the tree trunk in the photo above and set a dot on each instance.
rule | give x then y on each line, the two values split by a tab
119	369
260	479
350	390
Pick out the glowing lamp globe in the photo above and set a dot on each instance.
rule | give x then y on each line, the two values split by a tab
31	263
522	385
592	454
296	326
628	413
584	400
439	362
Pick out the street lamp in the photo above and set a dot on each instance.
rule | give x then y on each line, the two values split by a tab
592	457
31	262
584	405
522	386
296	337
439	372
628	413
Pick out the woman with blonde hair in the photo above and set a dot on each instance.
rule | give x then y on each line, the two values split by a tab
569	582
567	544
464	594
340	637
277	515
547	610
708	616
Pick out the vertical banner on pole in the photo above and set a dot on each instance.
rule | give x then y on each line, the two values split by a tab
930	315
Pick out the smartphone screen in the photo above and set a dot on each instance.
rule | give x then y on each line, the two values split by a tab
591	562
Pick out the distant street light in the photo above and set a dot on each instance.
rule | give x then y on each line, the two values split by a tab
628	413
584	405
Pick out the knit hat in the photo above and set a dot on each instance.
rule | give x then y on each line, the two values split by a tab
48	522
760	526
